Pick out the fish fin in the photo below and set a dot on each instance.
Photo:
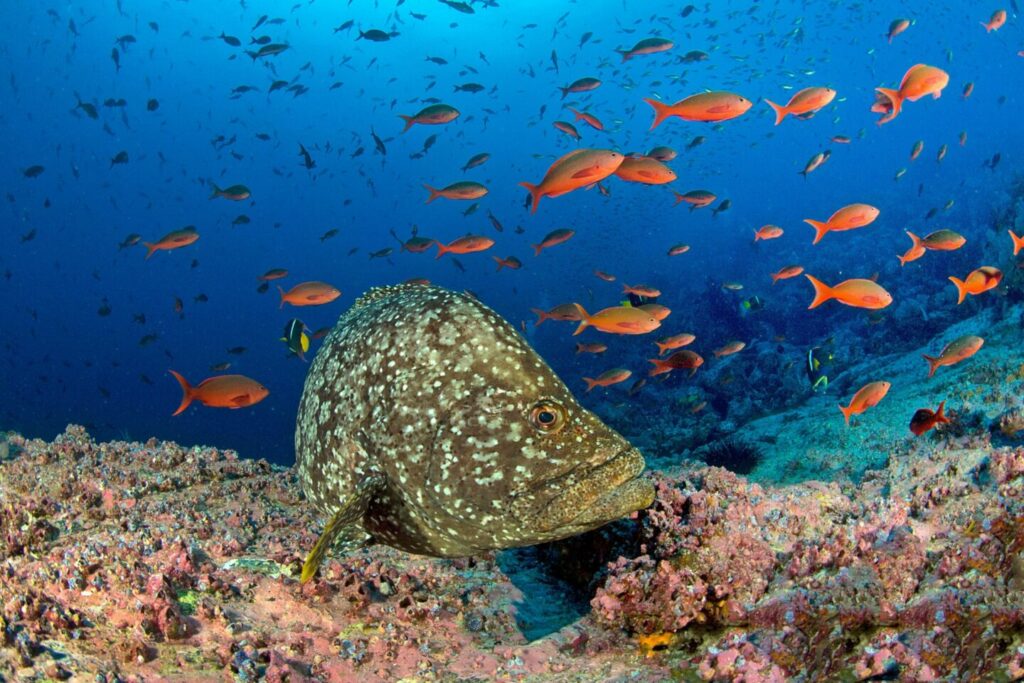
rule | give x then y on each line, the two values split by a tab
775	278
662	348
541	316
442	249
434	194
1018	242
498	261
659	367
894	97
350	512
408	121
186	390
216	191
534	191
625	56
282	296
940	416
780	111
933	364
961	289
847	411
822	292
151	249
661	111
585	173
591	383
917	240
585	322
820	228
565	91
537	248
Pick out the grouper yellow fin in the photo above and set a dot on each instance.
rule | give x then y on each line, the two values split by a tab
350	512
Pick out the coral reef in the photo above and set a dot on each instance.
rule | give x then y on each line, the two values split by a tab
151	561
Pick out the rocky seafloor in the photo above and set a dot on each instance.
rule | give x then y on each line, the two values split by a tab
153	561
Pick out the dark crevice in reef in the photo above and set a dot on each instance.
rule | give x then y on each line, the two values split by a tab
559	579
733	454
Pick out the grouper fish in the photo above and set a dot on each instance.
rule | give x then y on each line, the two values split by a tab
428	424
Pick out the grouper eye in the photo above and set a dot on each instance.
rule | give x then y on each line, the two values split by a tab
548	416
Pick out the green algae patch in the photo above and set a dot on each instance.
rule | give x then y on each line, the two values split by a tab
258	565
187	600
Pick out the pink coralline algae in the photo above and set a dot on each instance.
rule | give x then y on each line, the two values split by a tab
152	561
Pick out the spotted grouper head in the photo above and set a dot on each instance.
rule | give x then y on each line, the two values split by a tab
481	444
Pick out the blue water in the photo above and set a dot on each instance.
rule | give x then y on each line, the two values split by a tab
59	255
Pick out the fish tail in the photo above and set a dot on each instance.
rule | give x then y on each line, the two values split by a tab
578	115
408	121
565	91
216	191
780	111
933	364
186	390
537	248
441	250
822	292
847	411
757	235
661	111
1018	242
895	97
625	56
659	367
591	383
585	319
820	228
775	278
541	316
534	191
434	193
940	416
150	248
988	29
499	262
282	296
961	289
662	348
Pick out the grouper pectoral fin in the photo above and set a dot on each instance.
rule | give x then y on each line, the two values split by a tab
350	512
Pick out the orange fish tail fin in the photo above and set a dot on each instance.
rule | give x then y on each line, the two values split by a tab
534	191
940	416
625	56
780	111
988	29
282	296
541	316
902	260
822	292
498	260
775	278
434	193
661	111
585	319
820	228
186	391
961	289
933	364
442	249
216	191
537	248
847	412
660	366
408	121
1018	242
662	348
565	91
895	97
151	249
591	383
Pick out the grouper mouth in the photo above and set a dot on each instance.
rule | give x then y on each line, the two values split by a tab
599	495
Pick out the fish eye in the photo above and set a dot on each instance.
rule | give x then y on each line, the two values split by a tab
548	416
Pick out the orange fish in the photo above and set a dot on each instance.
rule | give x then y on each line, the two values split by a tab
924	419
678	249
567	312
635	169
996	22
846	218
1018	242
647	46
576	169
590	119
224	391
955	351
815	162
641	290
657	310
604	276
591	348
915	151
607	378
979	281
662	153
968	89
940	240
585	84
551	239
920	80
464	245
803	104
567	128
867	397
433	115
768	232
309	294
510	262
172	240
857	293
841	139
897	27
684	359
618	320
674	342
786	273
706	106
464	189
273	274
730	348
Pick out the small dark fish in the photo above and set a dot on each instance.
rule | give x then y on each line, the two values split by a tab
381	149
345	26
119	158
262	40
696	142
152	105
29	236
584	38
220	367
33	171
471	88
329	234
148	339
262	289
459	6
116	56
437	60
554	60
382	253
200	298
241	219
358	152
723	206
230	40
376	35
925	419
495	222
104	310
259	22
236	350
307	160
